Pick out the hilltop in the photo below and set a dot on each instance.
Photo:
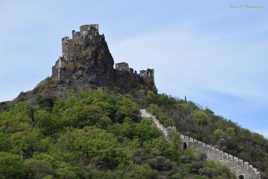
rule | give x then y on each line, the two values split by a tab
84	121
86	63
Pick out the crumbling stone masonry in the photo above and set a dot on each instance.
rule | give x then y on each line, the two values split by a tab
242	169
87	62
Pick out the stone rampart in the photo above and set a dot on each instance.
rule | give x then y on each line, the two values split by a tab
242	169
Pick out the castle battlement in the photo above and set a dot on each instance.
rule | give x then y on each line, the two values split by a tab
242	169
237	166
122	66
146	74
86	28
65	39
72	47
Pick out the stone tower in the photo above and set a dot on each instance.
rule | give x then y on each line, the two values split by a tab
85	57
148	74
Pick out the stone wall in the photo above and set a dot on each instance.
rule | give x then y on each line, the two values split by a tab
236	165
123	66
242	169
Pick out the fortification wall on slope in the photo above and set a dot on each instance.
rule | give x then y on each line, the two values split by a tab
240	168
237	166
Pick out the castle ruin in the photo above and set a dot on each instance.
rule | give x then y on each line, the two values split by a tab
76	48
87	61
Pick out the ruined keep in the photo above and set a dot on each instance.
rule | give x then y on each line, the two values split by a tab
86	63
82	52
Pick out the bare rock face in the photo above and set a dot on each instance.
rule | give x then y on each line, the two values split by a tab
86	63
4	106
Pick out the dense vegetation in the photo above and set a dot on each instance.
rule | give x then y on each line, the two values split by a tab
94	135
204	125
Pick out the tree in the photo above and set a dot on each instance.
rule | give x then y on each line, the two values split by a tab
4	142
219	133
140	172
175	140
84	115
92	144
231	131
200	117
35	169
26	142
127	108
11	166
48	123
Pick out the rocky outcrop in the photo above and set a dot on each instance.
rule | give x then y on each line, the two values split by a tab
4	106
242	169
86	63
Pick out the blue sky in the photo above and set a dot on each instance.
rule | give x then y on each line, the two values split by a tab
213	52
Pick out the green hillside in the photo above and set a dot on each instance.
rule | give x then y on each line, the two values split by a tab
101	135
204	125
